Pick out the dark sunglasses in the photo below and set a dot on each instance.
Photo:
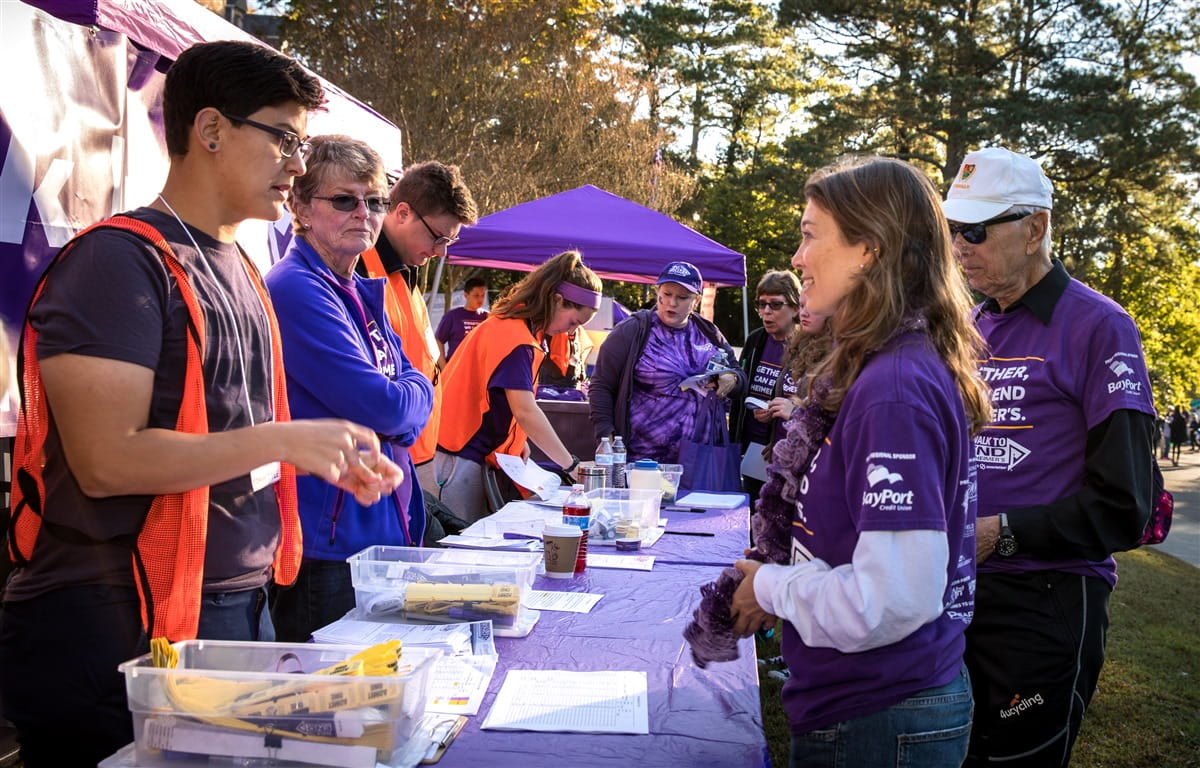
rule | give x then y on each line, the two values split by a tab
977	233
347	203
289	142
774	305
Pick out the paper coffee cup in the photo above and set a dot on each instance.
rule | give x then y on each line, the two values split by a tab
560	548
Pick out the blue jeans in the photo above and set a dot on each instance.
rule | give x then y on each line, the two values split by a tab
236	616
928	730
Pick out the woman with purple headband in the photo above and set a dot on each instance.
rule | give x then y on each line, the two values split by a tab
488	386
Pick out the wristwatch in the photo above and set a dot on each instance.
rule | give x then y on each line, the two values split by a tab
1006	545
571	467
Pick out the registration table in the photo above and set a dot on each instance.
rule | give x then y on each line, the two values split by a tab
728	539
697	717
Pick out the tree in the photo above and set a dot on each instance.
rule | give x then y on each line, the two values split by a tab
1094	90
520	93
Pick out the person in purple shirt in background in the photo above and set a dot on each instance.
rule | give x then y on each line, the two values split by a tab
343	360
635	389
875	484
458	322
1065	475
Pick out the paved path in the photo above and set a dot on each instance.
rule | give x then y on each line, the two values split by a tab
1184	483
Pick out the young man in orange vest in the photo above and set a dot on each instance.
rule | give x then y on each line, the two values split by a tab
160	498
430	205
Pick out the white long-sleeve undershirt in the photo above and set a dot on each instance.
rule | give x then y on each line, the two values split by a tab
893	586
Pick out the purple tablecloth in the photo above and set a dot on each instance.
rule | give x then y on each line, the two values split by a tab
697	717
730	537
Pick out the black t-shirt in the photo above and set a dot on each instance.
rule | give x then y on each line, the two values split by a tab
112	297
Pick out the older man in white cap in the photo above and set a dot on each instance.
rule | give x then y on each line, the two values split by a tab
1065	472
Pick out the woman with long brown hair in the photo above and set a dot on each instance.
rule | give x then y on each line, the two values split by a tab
488	405
872	565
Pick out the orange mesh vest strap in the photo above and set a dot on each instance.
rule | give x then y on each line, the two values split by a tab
410	320
465	381
168	558
560	352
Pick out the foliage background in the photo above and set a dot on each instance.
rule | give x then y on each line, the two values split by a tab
716	113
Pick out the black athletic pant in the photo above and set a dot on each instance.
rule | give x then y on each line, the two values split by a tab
1034	651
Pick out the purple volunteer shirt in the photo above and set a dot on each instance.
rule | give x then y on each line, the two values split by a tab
660	413
898	458
514	372
456	324
1051	383
762	385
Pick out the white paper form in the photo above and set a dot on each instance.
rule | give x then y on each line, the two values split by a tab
527	474
621	562
457	684
712	500
571	702
574	602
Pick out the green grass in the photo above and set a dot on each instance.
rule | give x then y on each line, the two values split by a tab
1146	711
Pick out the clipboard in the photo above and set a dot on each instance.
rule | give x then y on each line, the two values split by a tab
443	735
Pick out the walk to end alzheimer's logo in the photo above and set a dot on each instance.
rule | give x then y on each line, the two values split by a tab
998	452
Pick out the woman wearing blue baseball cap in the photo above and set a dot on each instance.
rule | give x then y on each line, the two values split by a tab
635	390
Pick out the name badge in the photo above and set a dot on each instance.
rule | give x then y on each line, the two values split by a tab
263	476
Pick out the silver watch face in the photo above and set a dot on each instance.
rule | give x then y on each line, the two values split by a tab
1006	546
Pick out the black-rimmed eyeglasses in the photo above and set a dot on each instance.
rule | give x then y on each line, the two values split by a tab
347	203
439	241
977	233
774	306
289	142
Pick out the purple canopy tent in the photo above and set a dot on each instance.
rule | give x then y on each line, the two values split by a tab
619	239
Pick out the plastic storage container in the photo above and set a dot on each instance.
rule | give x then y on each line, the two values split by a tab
670	479
260	704
442	585
639	506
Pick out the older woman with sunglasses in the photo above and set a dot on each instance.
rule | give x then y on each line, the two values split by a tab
763	358
343	360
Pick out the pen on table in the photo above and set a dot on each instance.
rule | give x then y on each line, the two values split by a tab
515	535
689	533
697	510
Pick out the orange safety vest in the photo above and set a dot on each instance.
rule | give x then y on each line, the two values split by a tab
168	557
410	320
466	377
560	352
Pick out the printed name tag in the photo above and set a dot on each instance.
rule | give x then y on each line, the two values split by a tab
263	476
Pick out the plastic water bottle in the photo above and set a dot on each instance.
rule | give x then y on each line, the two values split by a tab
604	460
717	362
577	511
618	462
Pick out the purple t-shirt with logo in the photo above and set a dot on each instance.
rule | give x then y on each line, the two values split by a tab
456	324
762	385
660	413
897	459
1050	385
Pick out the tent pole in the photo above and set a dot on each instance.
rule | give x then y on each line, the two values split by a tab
437	281
745	313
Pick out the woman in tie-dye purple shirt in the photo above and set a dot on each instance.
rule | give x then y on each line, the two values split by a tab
635	389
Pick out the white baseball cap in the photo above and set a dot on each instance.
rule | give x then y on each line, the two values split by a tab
993	180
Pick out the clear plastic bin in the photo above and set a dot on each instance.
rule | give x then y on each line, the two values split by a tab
261	704
446	585
640	506
671	473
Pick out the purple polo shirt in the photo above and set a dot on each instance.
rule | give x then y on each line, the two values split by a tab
898	458
1051	383
456	324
